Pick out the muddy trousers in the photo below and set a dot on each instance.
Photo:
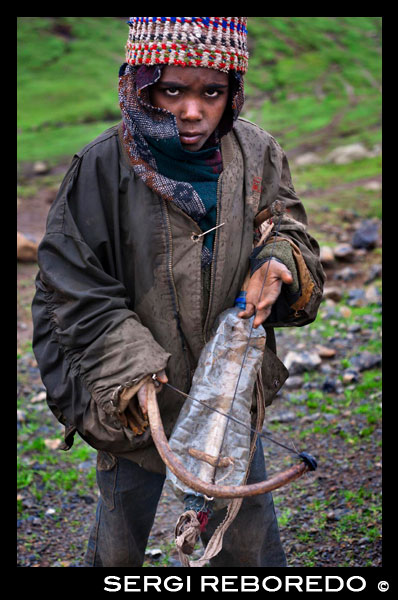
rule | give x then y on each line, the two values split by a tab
126	510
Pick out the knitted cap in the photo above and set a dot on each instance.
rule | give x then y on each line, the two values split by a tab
214	42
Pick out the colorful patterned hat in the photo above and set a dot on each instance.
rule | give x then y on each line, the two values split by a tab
214	42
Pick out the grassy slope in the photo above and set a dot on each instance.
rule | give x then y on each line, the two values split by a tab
67	81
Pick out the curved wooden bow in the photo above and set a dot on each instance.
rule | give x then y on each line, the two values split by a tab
210	489
308	463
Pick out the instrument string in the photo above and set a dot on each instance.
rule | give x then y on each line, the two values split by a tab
232	418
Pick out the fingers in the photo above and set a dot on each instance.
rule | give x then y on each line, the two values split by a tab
267	281
286	275
161	376
248	312
143	391
142	398
261	316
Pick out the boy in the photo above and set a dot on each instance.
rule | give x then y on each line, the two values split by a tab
148	241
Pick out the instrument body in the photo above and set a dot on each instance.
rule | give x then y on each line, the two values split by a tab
212	448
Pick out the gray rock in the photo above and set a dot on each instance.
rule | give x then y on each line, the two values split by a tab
21	416
332	293
282	417
345	274
294	382
344	252
375	273
298	362
366	236
40	168
372	295
330	385
357	297
346	154
373	186
309	158
326	256
366	360
153	552
310	418
350	376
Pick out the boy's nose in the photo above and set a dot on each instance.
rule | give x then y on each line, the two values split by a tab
191	111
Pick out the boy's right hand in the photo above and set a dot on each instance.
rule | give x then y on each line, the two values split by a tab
161	377
133	412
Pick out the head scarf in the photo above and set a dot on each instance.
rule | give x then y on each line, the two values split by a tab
150	132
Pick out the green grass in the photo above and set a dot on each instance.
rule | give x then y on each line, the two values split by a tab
321	77
329	175
54	143
67	82
68	78
53	469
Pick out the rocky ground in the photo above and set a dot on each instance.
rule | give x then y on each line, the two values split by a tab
329	407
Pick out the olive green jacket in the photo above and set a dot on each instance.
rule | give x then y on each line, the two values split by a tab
119	293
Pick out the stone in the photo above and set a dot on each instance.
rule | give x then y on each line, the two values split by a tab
298	362
309	158
309	418
153	552
294	382
326	256
26	249
329	385
365	360
52	444
332	293
366	236
346	274
40	397
374	273
325	352
342	155
354	328
350	376
40	168
373	186
356	297
372	295
344	252
345	312
21	416
282	417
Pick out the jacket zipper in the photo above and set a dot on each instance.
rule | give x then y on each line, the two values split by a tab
174	289
170	257
212	268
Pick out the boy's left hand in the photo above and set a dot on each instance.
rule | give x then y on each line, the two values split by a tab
277	274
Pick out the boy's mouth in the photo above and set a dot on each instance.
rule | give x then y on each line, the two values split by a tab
193	137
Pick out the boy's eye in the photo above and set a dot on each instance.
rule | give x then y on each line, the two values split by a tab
213	93
171	91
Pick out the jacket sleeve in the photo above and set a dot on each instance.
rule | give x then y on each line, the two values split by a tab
292	230
88	340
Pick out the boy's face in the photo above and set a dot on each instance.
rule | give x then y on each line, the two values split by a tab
197	96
